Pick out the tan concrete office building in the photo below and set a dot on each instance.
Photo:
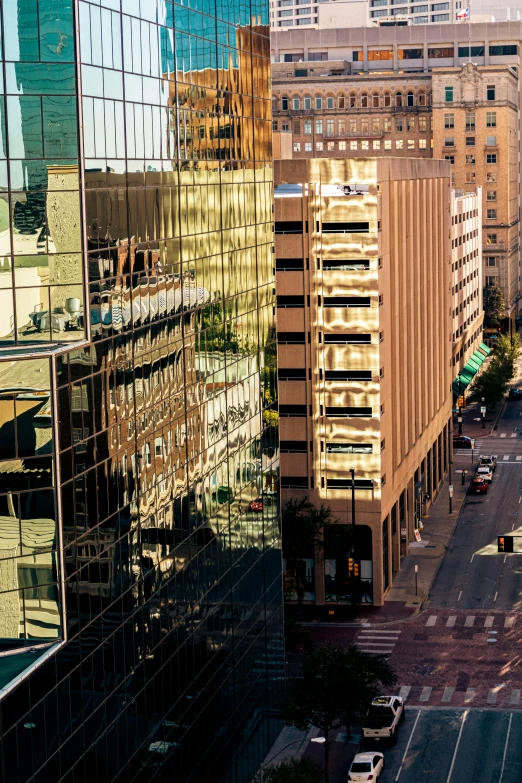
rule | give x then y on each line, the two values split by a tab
364	282
427	91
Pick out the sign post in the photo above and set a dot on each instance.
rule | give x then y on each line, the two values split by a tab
451	498
483	412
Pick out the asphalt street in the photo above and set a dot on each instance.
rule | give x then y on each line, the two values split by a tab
456	746
473	574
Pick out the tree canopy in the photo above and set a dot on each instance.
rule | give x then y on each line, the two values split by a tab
493	306
293	771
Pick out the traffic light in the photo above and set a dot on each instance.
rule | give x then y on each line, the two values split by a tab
356	569
350	565
505	543
461	402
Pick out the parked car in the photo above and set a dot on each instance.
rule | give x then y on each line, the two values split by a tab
256	505
485	473
488	461
366	766
515	394
479	486
382	721
462	442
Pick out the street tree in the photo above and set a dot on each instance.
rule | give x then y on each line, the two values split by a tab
494	305
293	771
491	384
303	527
336	688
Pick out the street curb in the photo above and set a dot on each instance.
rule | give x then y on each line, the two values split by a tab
426	600
501	411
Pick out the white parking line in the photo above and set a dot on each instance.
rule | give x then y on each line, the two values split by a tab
505	749
464	716
408	745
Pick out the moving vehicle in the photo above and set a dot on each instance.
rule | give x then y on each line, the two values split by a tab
383	719
488	461
462	442
515	394
256	505
366	766
479	486
484	472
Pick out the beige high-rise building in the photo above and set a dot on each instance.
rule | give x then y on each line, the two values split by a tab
427	91
364	296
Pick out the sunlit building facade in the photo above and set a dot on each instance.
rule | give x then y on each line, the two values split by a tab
140	585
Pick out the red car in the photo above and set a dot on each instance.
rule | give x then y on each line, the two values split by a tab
479	486
256	505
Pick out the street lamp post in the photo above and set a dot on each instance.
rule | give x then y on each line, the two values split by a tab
416	578
483	412
355	578
460	407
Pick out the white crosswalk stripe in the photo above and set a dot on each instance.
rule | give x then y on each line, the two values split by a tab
502	434
427	694
432	619
376	641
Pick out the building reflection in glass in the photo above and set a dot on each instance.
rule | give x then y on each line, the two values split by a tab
143	478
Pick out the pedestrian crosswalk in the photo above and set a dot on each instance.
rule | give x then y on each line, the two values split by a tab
478	448
377	641
468	621
500	694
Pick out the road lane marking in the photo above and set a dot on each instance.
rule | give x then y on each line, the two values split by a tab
469	621
470	695
464	716
458	599
472	556
408	745
495	598
488	622
513	434
405	692
502	434
509	621
505	558
505	748
425	693
447	695
515	696
505	457
432	619
492	696
450	622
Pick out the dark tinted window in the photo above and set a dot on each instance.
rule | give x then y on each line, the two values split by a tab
349	448
289	227
291	374
345	266
476	51
292	410
286	338
345	301
335	483
344	338
293	445
289	264
299	482
290	301
505	49
348	375
359	227
345	411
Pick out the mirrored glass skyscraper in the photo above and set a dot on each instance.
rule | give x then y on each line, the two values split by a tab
140	567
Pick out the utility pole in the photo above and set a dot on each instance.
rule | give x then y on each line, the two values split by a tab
355	578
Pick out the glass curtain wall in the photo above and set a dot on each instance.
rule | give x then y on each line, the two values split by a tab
165	426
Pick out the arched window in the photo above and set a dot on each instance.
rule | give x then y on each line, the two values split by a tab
398	98
351	101
410	99
340	101
307	102
422	99
284	103
387	99
375	101
364	101
330	102
318	102
296	103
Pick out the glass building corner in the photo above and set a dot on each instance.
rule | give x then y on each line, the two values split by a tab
140	563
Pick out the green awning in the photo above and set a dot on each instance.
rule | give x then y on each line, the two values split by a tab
483	347
459	389
478	357
468	373
474	363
